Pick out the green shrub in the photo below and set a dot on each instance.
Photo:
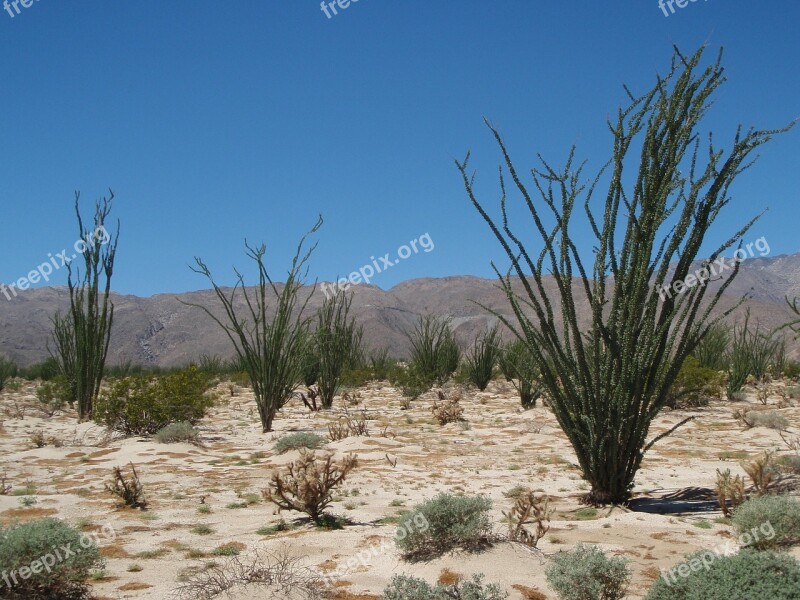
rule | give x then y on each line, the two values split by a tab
695	385
53	394
178	432
748	575
404	587
22	546
752	353
586	573
791	369
7	370
409	381
451	522
301	439
381	364
518	367
771	521
142	405
45	370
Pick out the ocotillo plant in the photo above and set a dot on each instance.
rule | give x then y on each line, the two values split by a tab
482	358
268	343
82	336
7	370
518	366
712	351
337	343
607	382
752	353
434	351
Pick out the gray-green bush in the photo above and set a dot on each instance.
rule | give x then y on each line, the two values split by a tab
175	433
301	439
405	587
748	575
587	573
452	522
766	418
22	545
775	515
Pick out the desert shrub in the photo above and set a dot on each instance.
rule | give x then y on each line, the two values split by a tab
45	370
482	359
729	490
381	364
296	441
307	484
587	573
518	366
780	515
409	381
748	575
791	369
175	433
7	370
766	418
265	574
789	463
453	522
434	351
762	472
528	509
712	351
405	587
22	546
337	344
127	487
142	405
695	385
447	408
53	394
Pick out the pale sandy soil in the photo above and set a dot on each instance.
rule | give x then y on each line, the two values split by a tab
502	448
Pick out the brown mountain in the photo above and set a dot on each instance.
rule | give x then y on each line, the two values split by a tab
161	330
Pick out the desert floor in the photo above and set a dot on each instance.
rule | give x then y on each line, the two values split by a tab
500	448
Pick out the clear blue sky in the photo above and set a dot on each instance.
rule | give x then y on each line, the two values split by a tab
214	122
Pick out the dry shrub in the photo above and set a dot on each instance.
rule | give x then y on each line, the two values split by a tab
128	488
5	484
529	509
307	484
450	410
348	426
729	488
274	575
761	472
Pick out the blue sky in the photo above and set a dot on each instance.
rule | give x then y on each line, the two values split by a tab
214	122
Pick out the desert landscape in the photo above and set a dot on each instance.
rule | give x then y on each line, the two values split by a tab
406	458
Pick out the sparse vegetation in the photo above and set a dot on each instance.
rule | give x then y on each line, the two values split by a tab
518	366
7	370
447	407
529	509
695	385
434	352
751	354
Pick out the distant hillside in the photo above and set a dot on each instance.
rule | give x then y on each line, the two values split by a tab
160	330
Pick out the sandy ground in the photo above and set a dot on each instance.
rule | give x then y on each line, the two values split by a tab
499	448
